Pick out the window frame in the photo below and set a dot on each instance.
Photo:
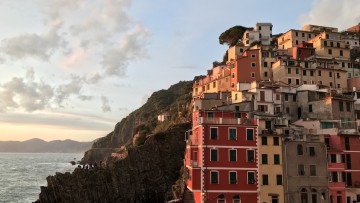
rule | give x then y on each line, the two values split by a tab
247	135
229	153
211	177
236	179
211	133
230	137
247	179
217	155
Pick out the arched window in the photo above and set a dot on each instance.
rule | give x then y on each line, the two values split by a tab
314	196
221	199
304	196
236	199
300	150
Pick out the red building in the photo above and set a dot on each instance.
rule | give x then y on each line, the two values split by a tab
303	51
344	167
246	68
221	156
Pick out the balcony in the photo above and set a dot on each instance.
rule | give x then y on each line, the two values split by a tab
194	163
264	37
228	121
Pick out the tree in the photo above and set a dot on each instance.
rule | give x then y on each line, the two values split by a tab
232	35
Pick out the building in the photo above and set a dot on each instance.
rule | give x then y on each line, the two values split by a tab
262	32
305	168
293	38
221	155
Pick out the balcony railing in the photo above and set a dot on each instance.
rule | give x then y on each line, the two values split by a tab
194	163
228	121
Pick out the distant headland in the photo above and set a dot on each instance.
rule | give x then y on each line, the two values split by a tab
40	146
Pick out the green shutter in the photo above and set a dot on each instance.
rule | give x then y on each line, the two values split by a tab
232	154
214	177
214	155
264	159
232	134
276	159
232	177
279	179
213	133
265	180
249	134
250	156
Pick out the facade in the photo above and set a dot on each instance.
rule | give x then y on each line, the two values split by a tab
261	32
221	156
305	168
245	69
293	38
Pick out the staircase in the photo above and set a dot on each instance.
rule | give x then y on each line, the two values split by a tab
188	196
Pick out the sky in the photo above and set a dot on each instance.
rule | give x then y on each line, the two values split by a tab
71	69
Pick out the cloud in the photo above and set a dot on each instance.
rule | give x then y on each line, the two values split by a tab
33	45
105	104
25	93
342	14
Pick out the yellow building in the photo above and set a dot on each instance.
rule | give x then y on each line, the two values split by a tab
235	51
293	38
270	176
217	80
316	71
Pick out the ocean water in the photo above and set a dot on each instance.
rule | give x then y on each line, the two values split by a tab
22	174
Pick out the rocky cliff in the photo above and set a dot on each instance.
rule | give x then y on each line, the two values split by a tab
144	174
173	100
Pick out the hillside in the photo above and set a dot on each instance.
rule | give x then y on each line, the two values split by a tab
41	146
144	120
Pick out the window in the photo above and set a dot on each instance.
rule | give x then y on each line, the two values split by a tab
276	141
337	75
213	155
319	73
236	199
331	44
233	75
329	51
287	110
330	74
301	170
264	159
348	106
312	170
304	196
264	140
253	55
300	150
232	134
213	133
297	71
214	177
294	97
253	64
296	34
249	134
278	179
232	155
210	114
265	179
304	72
265	74
331	84
296	42
312	151
232	177
310	108
286	97
311	73
253	74
302	34
289	70
341	107
309	36
325	43
259	27
276	159
251	178
341	53
289	81
265	64
250	154
297	82
342	121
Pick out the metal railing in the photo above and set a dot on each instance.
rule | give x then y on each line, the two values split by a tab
231	121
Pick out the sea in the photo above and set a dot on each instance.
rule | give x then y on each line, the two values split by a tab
22	174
